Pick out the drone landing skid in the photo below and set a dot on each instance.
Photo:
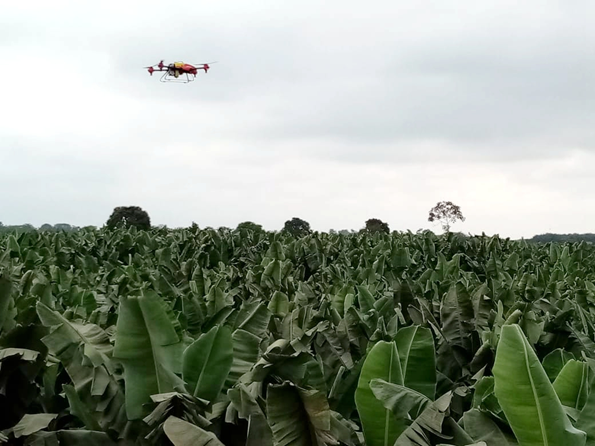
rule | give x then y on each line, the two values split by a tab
183	78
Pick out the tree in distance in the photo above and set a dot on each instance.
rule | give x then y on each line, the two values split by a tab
58	227
376	225
297	227
129	216
447	213
250	226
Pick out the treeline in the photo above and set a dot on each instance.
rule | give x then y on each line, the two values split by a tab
445	212
562	238
138	217
45	227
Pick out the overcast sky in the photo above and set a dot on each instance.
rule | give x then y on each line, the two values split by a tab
334	112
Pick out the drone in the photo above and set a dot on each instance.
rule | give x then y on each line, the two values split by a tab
179	72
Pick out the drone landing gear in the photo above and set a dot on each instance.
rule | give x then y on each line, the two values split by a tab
177	78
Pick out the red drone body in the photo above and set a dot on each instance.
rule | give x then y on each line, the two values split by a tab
173	72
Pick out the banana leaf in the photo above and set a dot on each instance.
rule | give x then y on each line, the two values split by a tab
527	396
150	349
207	362
380	426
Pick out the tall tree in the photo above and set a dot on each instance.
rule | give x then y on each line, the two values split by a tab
447	213
250	226
376	225
297	227
129	216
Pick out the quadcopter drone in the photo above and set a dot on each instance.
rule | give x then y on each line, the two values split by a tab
179	72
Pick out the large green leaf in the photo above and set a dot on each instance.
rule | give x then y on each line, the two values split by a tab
254	318
279	304
485	400
573	383
423	417
181	405
481	427
298	417
149	348
32	423
555	361
7	311
586	418
78	409
415	345
23	353
380	426
207	362
365	299
70	437
527	396
247	407
246	349
434	421
90	337
182	433
336	344
456	313
400	400
85	351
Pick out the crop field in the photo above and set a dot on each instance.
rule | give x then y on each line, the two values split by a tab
245	337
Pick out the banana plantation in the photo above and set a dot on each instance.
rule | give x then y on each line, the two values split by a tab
245	337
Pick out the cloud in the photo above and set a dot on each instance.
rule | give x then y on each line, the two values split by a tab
333	112
487	82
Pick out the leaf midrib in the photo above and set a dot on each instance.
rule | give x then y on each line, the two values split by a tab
536	398
152	342
249	317
404	371
77	333
584	379
386	411
199	380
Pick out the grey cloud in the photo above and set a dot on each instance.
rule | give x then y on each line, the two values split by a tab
49	186
510	111
332	112
489	87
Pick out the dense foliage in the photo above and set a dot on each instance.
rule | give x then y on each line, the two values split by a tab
125	216
252	338
297	227
563	238
447	213
376	225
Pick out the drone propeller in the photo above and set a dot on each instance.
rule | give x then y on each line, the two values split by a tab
155	65
151	68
